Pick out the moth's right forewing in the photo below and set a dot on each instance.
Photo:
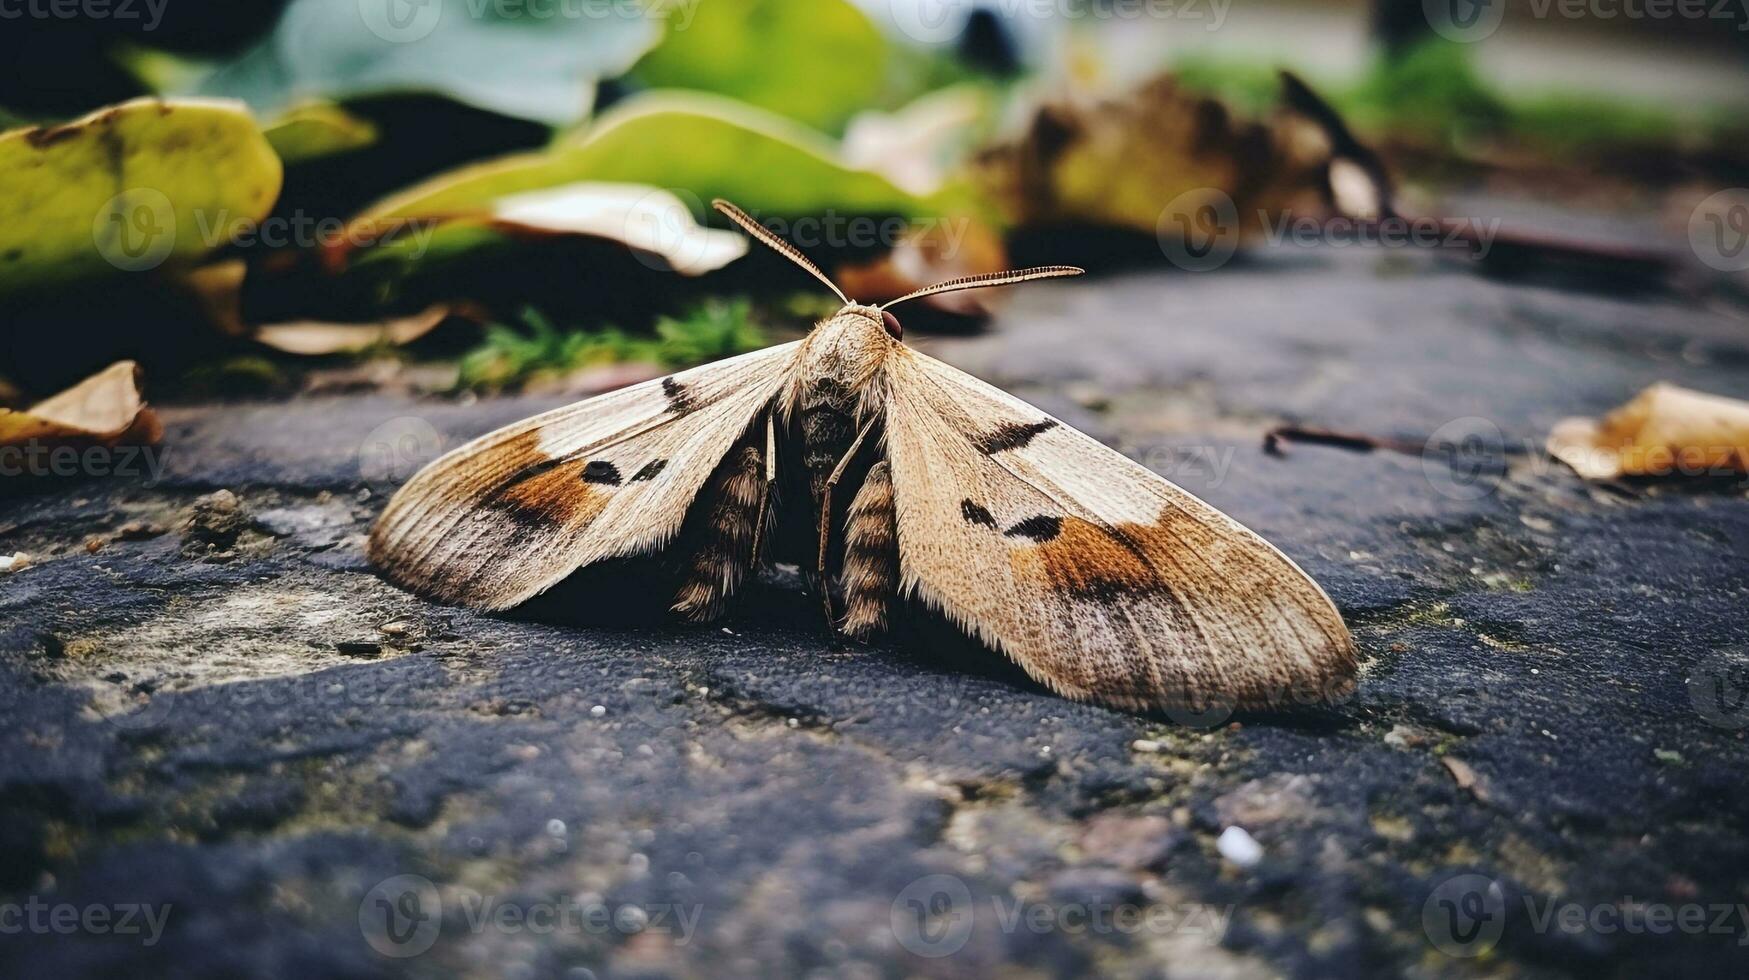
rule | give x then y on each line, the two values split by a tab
514	512
1101	579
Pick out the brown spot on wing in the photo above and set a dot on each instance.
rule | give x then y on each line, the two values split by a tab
680	400
1011	435
1040	528
557	495
538	490
975	514
601	471
1086	561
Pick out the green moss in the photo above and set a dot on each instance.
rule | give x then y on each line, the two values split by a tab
511	357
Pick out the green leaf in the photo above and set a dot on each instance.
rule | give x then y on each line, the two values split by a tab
537	61
317	129
688	143
129	188
818	62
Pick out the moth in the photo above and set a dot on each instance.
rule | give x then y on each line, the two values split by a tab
917	481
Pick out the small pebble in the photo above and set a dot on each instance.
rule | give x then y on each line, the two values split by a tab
1239	847
598	711
1146	745
138	531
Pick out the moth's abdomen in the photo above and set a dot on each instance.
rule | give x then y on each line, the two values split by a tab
726	535
828	427
871	554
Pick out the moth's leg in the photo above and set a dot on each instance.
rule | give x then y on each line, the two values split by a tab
826	514
729	530
759	526
871	554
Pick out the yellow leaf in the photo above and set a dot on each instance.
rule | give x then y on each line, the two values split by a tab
129	188
317	129
1664	431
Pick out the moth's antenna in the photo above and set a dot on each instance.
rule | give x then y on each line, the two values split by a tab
990	279
765	235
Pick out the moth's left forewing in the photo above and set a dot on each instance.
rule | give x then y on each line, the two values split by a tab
1099	577
512	513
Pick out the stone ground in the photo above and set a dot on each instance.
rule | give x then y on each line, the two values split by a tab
231	739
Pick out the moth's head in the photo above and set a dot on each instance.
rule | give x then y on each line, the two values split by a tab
873	316
881	315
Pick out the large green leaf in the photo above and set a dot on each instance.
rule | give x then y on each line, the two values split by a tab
687	143
818	62
532	60
129	188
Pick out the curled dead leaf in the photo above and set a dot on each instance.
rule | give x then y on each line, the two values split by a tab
1167	160
316	337
646	219
1664	431
105	409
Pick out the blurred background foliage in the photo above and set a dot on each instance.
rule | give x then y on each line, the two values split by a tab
486	160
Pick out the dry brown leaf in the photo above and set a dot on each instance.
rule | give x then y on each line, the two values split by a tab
316	337
1664	431
1166	160
104	409
1465	777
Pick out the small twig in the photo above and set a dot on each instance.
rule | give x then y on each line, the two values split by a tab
1274	440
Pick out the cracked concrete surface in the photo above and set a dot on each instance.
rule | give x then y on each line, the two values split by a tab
259	739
